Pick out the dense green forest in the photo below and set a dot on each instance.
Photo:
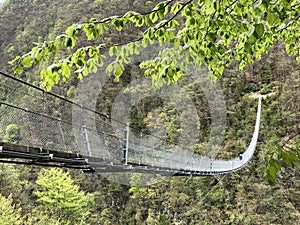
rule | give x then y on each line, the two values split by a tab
34	195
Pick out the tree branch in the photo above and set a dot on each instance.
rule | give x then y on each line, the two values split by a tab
289	23
155	29
142	14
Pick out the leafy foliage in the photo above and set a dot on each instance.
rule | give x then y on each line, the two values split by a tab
239	198
12	134
9	213
61	196
289	156
211	32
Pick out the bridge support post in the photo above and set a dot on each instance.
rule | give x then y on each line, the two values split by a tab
105	128
126	142
62	134
30	130
86	140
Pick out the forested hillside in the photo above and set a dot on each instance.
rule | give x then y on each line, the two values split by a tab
34	195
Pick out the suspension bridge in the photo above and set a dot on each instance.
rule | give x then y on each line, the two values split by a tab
39	128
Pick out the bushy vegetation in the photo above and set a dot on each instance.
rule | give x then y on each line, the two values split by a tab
31	195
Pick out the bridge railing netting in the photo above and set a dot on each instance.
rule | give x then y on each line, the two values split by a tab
32	117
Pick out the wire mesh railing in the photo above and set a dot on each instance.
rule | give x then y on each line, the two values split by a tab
32	117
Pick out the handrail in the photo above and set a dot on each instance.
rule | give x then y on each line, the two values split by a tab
228	166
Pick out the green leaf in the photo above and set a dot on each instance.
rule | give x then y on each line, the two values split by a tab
160	14
271	170
251	31
286	4
100	28
259	30
27	61
140	22
14	60
118	23
69	42
290	158
118	70
66	72
207	3
113	50
191	21
147	20
70	31
266	3
271	18
176	7
91	52
159	6
79	63
109	69
153	17
251	39
34	51
93	20
297	145
18	70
